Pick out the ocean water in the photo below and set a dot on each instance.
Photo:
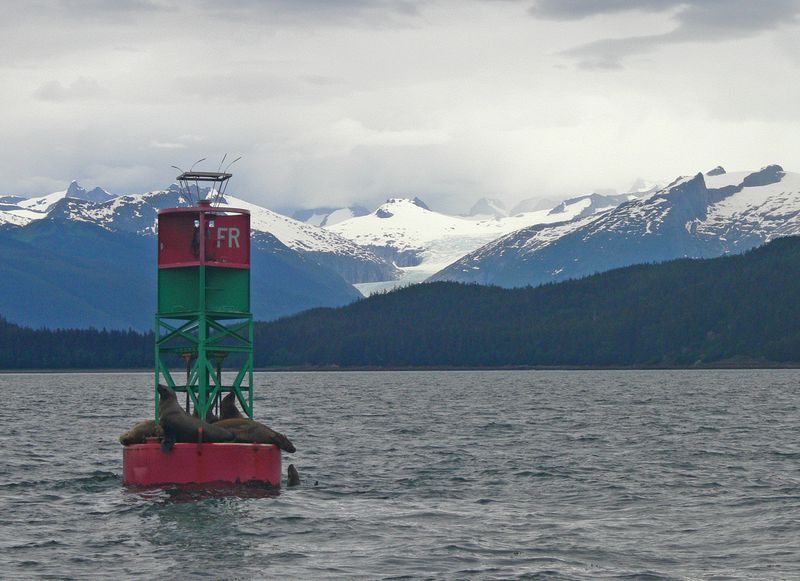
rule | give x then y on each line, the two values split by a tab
442	475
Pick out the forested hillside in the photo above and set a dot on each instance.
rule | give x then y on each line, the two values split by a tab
25	348
741	309
681	312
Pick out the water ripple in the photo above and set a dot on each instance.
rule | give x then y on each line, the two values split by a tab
424	475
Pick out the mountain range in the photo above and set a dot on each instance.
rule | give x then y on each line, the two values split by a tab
137	213
83	257
421	242
701	216
74	262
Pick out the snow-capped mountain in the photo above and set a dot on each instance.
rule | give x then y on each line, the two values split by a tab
421	242
19	211
701	216
488	208
96	195
583	206
328	216
354	263
534	205
642	187
137	213
75	191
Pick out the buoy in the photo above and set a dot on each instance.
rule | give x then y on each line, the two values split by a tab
203	318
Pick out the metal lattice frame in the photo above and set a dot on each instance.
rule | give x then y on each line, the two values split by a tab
201	339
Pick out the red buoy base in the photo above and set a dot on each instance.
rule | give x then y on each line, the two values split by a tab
147	465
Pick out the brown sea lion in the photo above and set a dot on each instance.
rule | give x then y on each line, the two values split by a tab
210	417
179	426
252	431
228	409
139	433
292	476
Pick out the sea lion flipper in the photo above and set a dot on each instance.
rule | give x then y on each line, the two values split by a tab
247	430
167	442
284	443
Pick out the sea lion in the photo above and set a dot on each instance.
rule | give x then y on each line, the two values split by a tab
139	433
179	426
292	476
210	417
247	430
228	409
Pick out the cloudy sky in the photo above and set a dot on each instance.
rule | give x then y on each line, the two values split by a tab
333	102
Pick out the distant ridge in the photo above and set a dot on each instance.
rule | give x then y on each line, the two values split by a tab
65	273
681	313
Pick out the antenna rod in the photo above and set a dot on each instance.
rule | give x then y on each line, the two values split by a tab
218	197
231	163
196	183
181	184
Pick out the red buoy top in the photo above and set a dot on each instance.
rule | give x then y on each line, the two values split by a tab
204	235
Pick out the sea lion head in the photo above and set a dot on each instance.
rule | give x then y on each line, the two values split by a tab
292	476
166	394
139	433
228	409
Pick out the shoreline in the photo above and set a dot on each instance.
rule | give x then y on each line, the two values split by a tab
722	365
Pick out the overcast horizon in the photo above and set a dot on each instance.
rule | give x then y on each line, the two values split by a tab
338	102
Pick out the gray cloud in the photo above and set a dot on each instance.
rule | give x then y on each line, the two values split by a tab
251	85
696	21
132	13
324	12
118	10
80	89
578	9
336	101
